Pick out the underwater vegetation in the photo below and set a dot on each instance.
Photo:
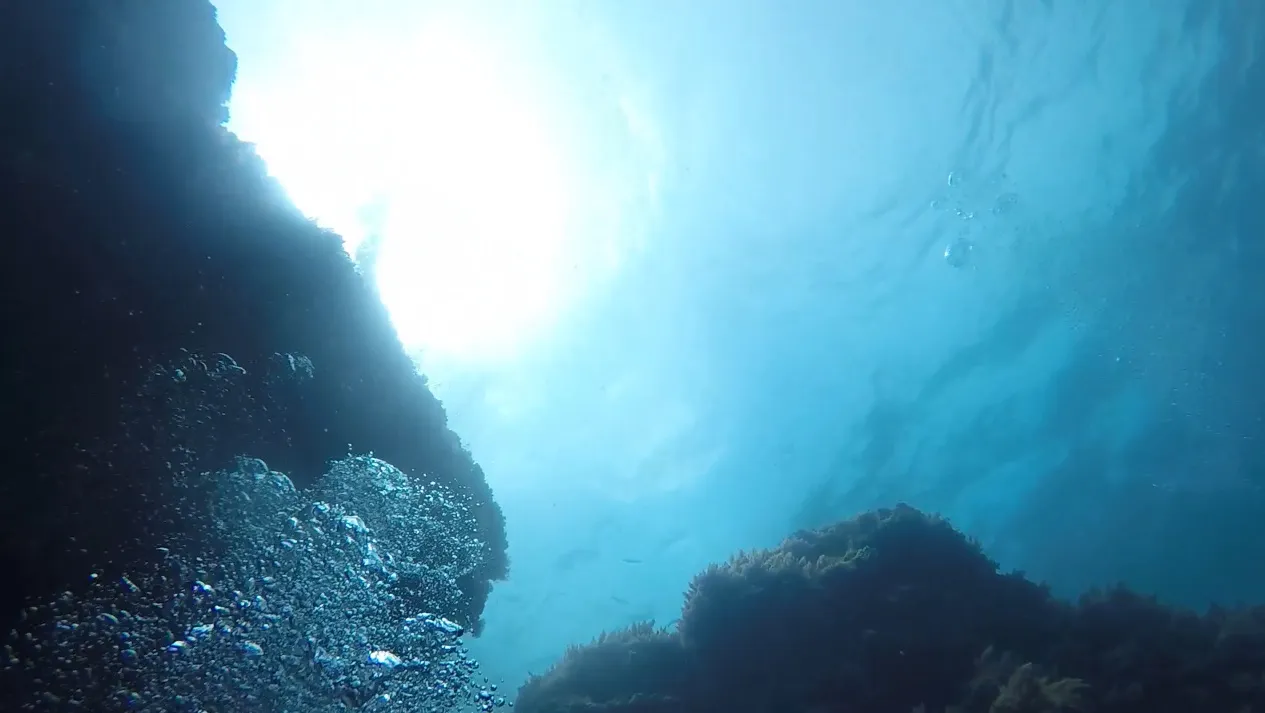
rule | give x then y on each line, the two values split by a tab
895	610
168	310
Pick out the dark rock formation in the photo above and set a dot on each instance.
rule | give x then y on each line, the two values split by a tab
142	234
897	611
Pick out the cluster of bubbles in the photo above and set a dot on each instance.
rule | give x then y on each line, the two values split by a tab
267	597
303	606
422	532
188	408
959	252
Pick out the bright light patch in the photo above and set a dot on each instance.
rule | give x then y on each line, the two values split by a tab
442	135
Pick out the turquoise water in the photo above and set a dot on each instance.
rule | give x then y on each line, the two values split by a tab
707	273
1074	383
994	259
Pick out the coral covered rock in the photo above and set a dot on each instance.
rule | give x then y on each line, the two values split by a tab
854	602
640	669
897	611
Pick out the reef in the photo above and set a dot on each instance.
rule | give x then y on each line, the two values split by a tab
152	261
896	610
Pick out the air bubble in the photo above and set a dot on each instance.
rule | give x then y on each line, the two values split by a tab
958	253
385	658
226	647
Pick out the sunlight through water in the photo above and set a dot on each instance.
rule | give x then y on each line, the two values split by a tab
444	136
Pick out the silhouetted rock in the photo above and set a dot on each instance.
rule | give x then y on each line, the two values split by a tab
897	611
146	242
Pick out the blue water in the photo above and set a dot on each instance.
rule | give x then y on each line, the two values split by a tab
999	260
1076	385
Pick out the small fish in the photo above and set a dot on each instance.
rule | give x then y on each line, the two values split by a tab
631	560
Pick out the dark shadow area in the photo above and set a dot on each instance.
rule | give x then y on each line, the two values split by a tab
142	235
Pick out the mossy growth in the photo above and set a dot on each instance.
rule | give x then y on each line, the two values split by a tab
640	669
852	604
1004	685
897	611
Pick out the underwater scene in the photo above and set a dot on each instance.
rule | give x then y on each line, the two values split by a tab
614	356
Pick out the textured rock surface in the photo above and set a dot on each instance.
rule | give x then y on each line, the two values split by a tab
895	610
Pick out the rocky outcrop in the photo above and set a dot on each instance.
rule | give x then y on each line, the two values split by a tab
895	610
144	238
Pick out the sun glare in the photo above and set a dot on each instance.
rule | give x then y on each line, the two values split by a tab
444	135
